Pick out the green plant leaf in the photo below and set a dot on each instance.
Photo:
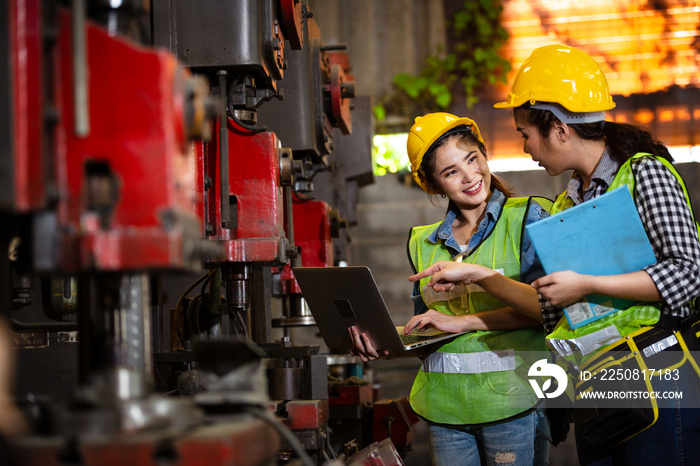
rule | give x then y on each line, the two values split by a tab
411	85
402	79
443	100
379	112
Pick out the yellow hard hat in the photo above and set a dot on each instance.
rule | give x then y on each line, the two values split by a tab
562	75
426	130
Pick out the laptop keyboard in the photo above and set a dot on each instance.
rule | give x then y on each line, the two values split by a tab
410	339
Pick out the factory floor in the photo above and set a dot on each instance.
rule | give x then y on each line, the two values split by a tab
420	450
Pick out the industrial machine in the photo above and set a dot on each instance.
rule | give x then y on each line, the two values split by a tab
150	150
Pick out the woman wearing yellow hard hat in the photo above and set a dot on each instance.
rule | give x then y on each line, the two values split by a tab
473	390
559	98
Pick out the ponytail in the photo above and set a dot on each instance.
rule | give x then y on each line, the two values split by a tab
625	140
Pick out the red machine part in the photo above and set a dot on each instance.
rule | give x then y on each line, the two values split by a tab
27	103
342	59
341	90
350	394
289	284
394	419
306	414
313	234
292	20
256	232
126	189
241	443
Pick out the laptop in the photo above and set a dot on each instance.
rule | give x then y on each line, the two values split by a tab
340	297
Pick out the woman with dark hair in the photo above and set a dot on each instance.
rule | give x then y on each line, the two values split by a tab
566	131
559	98
473	391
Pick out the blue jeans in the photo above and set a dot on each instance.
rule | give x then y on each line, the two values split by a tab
523	441
674	439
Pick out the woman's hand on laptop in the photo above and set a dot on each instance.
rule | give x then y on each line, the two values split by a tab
362	346
447	274
438	320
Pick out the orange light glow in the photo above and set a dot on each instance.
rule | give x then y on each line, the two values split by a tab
648	51
666	115
641	49
682	115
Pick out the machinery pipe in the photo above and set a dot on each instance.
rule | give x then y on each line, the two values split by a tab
223	151
289	211
80	78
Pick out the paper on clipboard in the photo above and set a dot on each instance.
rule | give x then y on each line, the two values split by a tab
603	236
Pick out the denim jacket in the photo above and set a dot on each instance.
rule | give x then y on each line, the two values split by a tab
530	267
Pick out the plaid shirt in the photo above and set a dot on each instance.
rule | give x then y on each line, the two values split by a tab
669	224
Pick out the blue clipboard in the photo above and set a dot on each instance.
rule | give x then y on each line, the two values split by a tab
603	236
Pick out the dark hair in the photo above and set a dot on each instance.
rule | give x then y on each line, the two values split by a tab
427	166
622	139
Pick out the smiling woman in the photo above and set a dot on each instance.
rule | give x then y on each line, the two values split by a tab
472	421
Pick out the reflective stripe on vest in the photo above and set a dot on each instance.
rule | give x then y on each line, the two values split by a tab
470	363
585	344
597	334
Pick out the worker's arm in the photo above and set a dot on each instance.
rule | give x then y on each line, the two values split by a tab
566	287
521	297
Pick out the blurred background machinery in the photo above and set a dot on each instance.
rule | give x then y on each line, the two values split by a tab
165	165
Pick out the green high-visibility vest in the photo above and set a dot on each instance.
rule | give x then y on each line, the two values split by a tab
583	341
481	376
